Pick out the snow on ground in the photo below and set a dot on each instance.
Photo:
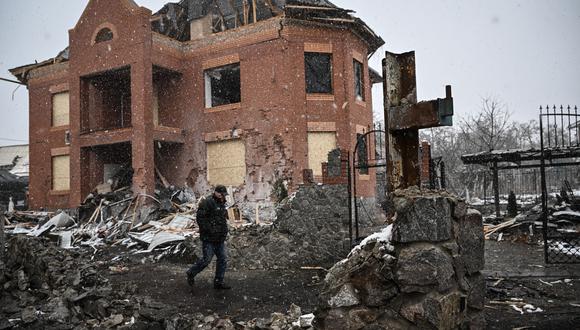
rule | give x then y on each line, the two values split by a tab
559	247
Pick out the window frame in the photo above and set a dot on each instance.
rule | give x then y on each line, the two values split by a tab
208	90
308	88
360	80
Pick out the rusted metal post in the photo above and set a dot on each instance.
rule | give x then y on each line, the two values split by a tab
404	117
496	189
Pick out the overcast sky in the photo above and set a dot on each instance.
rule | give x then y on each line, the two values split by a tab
524	53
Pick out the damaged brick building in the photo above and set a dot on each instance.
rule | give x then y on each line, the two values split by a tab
235	92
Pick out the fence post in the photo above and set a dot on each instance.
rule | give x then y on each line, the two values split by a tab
2	238
496	189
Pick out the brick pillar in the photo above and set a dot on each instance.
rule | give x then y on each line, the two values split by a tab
143	159
75	104
338	173
425	164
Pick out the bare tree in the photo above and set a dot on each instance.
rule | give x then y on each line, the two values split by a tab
490	129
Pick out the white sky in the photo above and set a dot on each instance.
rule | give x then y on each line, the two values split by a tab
525	52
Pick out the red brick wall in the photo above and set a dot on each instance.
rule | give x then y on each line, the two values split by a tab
272	118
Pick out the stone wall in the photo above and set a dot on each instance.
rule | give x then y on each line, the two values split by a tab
423	271
310	229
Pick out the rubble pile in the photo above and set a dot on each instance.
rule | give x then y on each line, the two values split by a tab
115	217
47	287
310	229
423	271
563	218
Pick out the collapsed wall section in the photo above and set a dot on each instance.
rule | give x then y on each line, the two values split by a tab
311	229
423	271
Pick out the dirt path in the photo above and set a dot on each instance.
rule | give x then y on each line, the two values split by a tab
254	293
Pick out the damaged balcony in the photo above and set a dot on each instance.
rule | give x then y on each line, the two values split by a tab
106	107
106	164
167	115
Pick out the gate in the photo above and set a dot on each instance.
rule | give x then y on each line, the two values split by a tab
369	153
560	146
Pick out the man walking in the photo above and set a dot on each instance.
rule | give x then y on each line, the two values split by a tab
213	230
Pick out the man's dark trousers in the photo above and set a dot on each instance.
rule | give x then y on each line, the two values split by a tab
209	249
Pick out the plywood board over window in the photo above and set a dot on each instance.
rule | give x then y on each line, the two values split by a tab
226	162
61	173
60	109
319	145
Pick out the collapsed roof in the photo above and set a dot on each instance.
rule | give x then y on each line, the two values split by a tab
173	20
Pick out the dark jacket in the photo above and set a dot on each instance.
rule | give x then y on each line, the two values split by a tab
211	219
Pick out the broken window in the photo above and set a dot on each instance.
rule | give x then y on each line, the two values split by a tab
319	145
318	73
60	109
104	34
359	87
61	173
222	85
226	162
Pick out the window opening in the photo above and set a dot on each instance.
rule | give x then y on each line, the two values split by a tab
318	73
359	87
222	85
104	34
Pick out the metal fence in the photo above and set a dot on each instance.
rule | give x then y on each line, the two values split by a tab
560	145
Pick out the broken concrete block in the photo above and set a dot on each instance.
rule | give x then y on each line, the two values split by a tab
444	312
29	314
422	219
22	280
459	209
113	321
306	320
422	269
346	296
435	311
471	242
475	287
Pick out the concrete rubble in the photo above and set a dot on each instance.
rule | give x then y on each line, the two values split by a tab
50	288
422	272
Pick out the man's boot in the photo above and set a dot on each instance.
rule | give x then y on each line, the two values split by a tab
190	279
221	286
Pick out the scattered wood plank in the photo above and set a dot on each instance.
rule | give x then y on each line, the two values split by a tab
162	178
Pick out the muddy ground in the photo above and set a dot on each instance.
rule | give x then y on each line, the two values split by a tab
254	293
515	274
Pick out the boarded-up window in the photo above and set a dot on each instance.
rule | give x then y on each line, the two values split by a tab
60	109
359	87
222	85
61	172
319	145
226	162
318	73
